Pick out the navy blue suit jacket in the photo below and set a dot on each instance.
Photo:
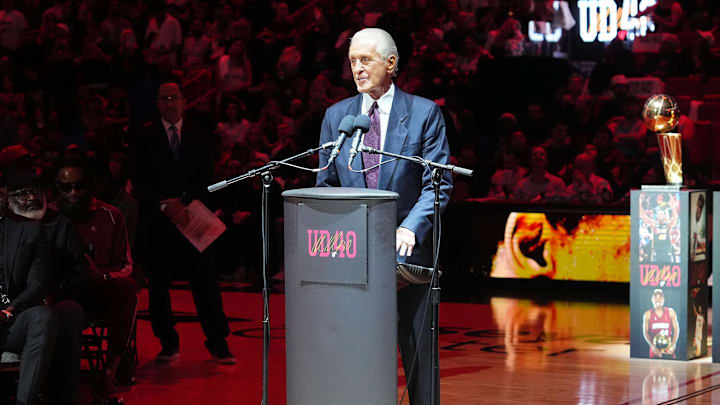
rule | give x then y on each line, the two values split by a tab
416	128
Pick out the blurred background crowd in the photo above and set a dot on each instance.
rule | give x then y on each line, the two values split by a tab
536	124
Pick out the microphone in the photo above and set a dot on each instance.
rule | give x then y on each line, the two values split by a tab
360	126
345	128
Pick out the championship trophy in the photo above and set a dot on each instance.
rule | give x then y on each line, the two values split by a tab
668	234
661	115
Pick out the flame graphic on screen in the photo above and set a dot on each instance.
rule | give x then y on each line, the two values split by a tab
597	249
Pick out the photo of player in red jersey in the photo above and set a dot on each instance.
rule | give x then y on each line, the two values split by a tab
660	327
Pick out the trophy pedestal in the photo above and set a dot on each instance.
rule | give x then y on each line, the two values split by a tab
669	271
662	187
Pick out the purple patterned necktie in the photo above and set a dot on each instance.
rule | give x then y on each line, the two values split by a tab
372	139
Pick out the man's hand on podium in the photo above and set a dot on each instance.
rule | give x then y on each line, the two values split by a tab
404	241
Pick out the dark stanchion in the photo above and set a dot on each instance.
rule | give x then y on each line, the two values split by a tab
437	174
267	178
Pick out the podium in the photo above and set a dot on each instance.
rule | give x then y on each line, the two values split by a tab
669	271
340	296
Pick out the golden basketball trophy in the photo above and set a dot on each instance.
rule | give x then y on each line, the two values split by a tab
661	115
664	221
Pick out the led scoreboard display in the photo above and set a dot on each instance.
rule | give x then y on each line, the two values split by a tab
599	21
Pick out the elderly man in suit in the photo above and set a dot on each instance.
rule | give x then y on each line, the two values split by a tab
26	326
171	162
412	126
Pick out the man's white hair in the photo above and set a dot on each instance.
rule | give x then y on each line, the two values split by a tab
384	43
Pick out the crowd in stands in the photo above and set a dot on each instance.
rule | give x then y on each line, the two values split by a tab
79	78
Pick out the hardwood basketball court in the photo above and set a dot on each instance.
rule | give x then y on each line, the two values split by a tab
501	351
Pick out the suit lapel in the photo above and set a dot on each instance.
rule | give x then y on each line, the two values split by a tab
12	242
395	136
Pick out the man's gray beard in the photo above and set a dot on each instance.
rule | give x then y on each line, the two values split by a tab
36	214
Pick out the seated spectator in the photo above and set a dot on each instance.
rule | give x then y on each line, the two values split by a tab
309	114
664	63
127	55
13	100
615	60
507	40
112	295
116	108
93	64
629	129
67	278
234	69
197	48
28	328
469	56
536	125
271	117
13	23
558	147
111	179
290	60
613	106
256	143
602	150
285	145
586	186
233	126
583	124
569	98
112	26
411	79
518	145
539	185
665	14
505	180
15	158
163	35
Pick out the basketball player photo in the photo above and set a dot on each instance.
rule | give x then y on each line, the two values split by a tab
659	218
660	327
698	230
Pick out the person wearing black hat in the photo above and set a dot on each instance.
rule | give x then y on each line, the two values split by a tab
27	327
67	278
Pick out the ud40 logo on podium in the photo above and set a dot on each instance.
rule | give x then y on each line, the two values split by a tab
340	244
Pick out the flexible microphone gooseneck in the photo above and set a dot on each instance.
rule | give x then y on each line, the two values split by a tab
360	126
345	128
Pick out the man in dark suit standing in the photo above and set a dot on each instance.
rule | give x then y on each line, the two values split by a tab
27	327
171	163
412	126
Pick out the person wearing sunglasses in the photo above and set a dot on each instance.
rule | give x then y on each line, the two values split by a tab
103	233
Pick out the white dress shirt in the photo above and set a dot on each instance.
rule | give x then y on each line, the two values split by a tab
384	106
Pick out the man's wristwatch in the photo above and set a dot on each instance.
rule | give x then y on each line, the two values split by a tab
106	277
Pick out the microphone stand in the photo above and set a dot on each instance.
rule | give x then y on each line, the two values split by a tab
437	175
267	178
